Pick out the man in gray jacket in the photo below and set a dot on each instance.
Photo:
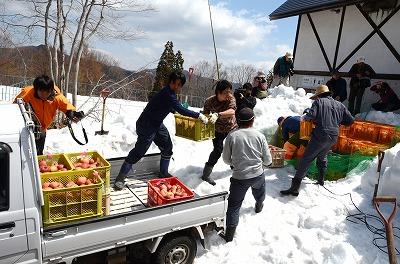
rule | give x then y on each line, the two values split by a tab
246	151
328	114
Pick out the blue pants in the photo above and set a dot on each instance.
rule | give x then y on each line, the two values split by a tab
237	192
318	148
146	135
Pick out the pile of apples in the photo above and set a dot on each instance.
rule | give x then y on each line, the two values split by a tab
85	162
169	191
80	181
54	167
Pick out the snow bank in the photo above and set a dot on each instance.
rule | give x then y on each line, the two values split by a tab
381	117
309	229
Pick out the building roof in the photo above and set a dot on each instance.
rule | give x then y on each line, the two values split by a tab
298	7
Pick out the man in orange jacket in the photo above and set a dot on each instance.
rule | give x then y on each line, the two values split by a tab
45	99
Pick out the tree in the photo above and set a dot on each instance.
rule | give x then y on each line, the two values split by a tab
242	73
169	62
71	24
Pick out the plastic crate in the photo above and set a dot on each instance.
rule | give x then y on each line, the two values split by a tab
59	158
155	198
193	129
306	128
75	203
105	206
103	169
278	157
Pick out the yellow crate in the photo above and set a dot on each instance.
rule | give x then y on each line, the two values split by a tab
193	129
103	169
74	203
59	158
106	202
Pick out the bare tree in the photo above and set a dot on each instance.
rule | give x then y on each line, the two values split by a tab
242	73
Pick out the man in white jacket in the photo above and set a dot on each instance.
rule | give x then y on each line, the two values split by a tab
246	151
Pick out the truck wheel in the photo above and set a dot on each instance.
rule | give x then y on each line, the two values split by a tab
177	250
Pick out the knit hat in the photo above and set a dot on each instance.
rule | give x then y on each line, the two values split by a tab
246	115
280	119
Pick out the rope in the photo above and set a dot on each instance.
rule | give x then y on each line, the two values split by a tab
213	36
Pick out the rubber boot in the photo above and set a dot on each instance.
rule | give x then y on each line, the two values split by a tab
294	188
229	233
119	183
206	175
321	177
259	207
164	164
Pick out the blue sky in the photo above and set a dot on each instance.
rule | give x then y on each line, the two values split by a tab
243	32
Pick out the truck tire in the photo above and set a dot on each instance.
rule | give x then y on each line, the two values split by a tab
176	250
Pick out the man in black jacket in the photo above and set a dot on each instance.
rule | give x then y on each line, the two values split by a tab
244	98
338	86
361	74
328	114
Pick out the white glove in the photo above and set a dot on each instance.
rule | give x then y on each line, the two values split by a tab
213	118
203	119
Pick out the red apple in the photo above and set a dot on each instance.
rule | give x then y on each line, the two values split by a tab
42	163
60	166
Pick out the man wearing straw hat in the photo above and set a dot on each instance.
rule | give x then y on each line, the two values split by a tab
328	114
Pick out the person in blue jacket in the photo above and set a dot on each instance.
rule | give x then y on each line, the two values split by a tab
150	128
328	114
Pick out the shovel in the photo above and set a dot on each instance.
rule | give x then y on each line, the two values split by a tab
381	156
388	224
104	94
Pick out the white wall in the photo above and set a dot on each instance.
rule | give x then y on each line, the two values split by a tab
355	28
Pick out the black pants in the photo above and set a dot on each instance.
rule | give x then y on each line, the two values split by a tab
146	135
218	143
237	192
357	89
40	141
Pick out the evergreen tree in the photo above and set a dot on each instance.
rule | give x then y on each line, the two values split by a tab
165	67
179	61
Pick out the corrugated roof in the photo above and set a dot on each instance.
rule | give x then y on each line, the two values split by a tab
298	7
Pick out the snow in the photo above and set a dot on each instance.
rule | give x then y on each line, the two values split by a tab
381	117
311	228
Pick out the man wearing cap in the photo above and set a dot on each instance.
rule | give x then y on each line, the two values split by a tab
361	74
328	114
246	151
283	69
260	86
338	87
290	127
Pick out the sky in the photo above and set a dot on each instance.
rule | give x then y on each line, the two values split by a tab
243	33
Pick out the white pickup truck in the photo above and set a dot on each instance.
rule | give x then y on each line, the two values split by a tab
169	232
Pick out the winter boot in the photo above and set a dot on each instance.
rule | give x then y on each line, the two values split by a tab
229	233
259	207
294	188
321	177
119	183
164	164
206	175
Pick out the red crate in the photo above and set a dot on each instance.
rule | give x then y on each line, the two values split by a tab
155	198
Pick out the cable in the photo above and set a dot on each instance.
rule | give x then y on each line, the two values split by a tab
363	218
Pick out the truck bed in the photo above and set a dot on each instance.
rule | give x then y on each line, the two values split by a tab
130	219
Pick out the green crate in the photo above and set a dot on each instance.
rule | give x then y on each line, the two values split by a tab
103	169
75	203
59	158
193	129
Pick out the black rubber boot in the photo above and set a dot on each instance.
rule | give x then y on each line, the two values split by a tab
206	175
229	233
294	188
259	207
321	177
123	172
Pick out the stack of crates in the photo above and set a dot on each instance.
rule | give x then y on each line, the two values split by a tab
193	129
306	128
366	138
103	167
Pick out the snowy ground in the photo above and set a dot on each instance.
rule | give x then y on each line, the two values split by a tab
309	229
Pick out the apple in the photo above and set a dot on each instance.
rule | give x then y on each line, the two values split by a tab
88	182
85	165
53	168
91	161
46	184
60	166
54	185
81	181
85	160
42	163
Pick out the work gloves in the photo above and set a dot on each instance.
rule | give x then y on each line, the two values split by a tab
213	118
74	115
203	119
